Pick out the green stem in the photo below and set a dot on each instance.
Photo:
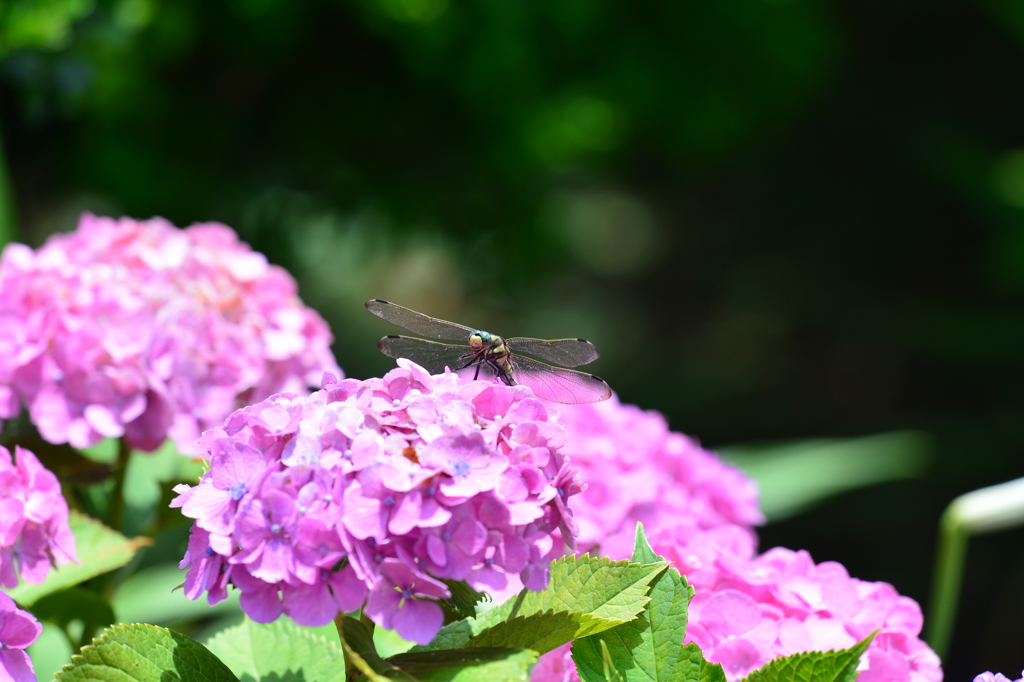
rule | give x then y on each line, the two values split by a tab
8	224
949	570
116	511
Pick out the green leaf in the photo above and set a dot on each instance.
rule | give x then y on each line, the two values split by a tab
643	553
692	667
648	647
492	664
611	674
585	595
145	653
795	476
152	596
463	601
358	644
449	665
100	550
814	666
280	651
75	604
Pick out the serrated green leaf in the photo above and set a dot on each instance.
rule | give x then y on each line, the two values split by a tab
596	593
693	667
145	653
814	666
280	651
643	553
100	550
462	603
492	664
648	647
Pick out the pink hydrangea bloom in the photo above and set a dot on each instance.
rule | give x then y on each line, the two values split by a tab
750	609
34	531
376	491
138	329
636	469
18	630
996	677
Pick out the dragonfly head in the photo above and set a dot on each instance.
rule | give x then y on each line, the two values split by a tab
481	339
492	344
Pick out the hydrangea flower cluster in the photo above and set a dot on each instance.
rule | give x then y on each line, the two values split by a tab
748	610
138	329
636	469
377	491
996	677
18	630
34	529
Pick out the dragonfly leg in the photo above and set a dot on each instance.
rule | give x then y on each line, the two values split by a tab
476	375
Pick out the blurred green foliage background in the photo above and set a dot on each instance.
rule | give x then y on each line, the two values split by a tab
776	218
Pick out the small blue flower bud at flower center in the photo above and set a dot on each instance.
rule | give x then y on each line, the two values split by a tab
238	491
275	528
209	551
389	501
446	535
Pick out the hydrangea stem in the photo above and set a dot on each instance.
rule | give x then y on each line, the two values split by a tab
981	511
8	225
116	509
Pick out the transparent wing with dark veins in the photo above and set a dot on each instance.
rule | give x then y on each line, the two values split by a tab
560	385
418	323
430	355
565	352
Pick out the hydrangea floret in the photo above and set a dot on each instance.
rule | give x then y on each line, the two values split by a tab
141	330
637	469
34	530
18	630
374	492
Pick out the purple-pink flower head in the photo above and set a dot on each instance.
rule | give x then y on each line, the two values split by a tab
636	469
138	329
18	629
996	677
34	531
749	609
377	491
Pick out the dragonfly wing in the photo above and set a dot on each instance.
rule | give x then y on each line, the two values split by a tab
430	355
560	385
421	324
565	352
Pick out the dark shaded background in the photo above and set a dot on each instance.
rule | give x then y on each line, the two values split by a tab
776	218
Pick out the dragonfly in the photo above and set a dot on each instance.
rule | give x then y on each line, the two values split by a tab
481	351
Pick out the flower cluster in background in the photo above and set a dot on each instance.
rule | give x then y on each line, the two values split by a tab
138	329
636	469
377	490
996	677
34	531
18	629
699	513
